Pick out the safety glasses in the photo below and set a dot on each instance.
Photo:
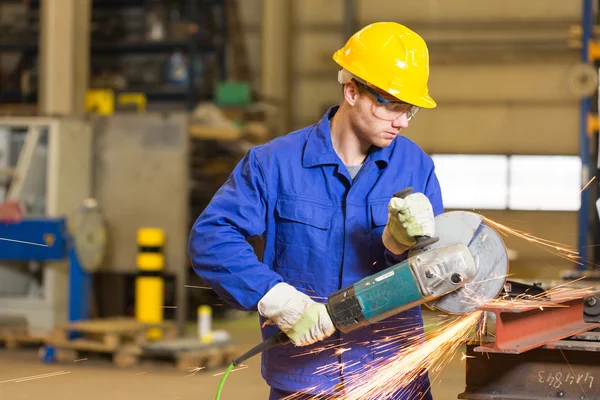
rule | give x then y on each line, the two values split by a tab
387	109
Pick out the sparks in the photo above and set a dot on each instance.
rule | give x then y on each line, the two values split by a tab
588	184
194	370
559	249
41	376
197	287
321	349
339	352
242	366
413	356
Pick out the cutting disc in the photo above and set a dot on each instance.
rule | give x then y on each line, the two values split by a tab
489	253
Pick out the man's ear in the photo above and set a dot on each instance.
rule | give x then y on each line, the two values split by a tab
350	92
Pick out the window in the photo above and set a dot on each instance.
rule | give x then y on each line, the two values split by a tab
497	182
473	181
545	183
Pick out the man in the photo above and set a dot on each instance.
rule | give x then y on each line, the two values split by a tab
321	198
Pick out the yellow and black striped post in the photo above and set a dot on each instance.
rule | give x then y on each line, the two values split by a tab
149	284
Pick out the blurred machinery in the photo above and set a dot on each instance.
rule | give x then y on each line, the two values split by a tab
143	168
172	52
46	167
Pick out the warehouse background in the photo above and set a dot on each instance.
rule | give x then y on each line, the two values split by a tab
146	107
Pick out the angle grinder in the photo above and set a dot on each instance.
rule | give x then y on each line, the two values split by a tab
456	272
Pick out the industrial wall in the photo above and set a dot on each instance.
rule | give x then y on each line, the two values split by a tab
501	72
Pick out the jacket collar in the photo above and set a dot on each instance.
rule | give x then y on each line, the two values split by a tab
319	148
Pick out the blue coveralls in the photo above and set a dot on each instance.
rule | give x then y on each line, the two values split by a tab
321	230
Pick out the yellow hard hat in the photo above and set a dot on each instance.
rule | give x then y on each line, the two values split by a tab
391	57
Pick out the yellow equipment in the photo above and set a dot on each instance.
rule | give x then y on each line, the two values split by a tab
391	57
149	284
101	101
138	99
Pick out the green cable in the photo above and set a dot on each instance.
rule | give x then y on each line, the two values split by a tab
220	388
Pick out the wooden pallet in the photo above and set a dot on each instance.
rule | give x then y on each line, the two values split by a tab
209	357
106	336
18	338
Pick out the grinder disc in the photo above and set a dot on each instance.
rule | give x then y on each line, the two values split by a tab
488	251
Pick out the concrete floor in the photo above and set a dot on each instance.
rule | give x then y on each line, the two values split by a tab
97	379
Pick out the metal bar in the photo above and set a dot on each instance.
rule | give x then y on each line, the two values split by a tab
587	22
522	328
23	171
562	372
80	289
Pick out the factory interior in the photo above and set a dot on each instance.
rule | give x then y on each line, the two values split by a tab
121	120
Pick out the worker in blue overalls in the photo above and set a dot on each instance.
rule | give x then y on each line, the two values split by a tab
322	200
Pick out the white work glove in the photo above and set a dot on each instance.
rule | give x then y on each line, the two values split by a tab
407	218
304	320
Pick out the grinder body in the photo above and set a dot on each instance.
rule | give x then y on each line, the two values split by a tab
415	281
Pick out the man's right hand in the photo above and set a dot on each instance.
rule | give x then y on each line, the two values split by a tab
301	318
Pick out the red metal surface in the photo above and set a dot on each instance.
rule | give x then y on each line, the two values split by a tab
521	328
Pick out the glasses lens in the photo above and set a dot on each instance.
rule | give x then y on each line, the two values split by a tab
392	111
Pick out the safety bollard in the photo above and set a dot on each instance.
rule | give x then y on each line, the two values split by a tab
149	284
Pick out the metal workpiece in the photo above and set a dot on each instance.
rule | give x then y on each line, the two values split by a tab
523	327
489	254
442	270
544	373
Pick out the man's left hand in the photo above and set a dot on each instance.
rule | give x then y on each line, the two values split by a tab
408	217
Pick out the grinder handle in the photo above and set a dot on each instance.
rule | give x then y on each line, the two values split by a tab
422	241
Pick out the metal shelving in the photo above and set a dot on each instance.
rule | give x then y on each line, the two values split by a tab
193	47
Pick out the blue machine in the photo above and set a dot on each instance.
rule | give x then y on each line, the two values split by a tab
48	239
45	240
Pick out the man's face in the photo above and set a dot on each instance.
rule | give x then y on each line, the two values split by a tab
373	127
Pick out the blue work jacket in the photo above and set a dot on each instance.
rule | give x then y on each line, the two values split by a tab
322	232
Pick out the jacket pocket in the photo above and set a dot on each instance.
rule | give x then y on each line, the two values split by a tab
303	223
379	213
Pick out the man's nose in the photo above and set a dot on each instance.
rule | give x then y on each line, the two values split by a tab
401	122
